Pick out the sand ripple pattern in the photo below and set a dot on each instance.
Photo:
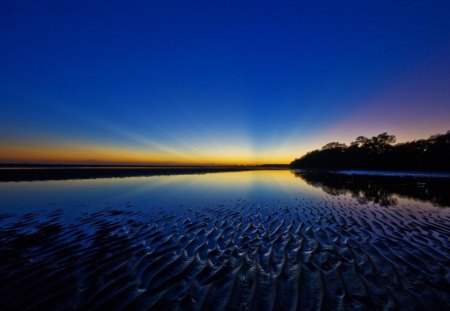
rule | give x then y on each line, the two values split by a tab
241	255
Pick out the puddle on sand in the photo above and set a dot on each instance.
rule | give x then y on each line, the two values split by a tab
247	240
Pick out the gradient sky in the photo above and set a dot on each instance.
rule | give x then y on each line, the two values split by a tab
217	82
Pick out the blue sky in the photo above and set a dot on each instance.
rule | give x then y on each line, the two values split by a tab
217	81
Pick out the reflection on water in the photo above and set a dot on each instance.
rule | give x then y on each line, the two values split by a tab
263	240
380	189
259	186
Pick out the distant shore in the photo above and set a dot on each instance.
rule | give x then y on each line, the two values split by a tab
35	172
381	154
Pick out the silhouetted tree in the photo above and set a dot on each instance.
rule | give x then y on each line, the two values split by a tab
361	141
334	145
379	152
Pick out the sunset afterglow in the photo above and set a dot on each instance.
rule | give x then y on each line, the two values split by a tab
209	83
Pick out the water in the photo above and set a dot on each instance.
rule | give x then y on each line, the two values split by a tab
240	240
156	191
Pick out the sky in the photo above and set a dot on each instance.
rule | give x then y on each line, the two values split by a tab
216	82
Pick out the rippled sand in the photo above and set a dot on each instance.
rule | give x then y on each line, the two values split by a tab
239	255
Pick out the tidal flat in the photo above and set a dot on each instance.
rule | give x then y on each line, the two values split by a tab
251	240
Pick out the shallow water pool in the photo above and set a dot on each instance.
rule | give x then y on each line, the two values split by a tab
256	240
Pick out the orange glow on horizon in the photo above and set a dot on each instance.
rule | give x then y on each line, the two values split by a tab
93	153
218	154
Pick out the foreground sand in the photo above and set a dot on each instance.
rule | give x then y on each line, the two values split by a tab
307	255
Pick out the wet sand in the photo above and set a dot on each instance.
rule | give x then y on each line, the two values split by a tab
331	254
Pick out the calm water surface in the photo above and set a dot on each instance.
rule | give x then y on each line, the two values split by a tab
144	192
256	240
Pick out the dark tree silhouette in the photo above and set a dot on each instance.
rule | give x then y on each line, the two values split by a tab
334	145
381	152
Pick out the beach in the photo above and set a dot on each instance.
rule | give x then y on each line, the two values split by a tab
286	247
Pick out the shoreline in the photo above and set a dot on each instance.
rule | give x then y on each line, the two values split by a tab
46	173
377	173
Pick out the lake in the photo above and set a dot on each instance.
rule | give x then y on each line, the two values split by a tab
251	240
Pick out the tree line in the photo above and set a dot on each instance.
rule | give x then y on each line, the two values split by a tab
381	153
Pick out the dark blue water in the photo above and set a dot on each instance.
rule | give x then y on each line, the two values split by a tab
142	192
259	240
